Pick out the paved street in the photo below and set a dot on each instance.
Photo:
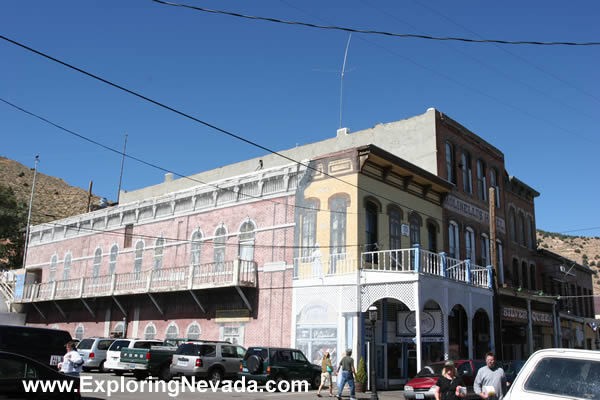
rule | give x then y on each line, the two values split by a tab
173	388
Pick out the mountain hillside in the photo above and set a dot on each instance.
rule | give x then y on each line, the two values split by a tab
54	198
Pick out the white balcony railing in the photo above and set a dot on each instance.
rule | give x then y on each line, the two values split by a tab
318	266
227	273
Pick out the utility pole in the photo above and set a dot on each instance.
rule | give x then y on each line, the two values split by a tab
89	204
37	157
495	273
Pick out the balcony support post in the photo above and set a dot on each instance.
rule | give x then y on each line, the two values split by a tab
38	310
81	287
417	255
60	310
190	283
119	305
87	306
155	303
244	299
490	283
53	292
197	301
113	283
468	271
236	272
149	283
444	264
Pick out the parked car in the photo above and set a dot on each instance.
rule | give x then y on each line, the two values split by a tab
209	360
511	369
44	345
113	355
93	351
558	374
17	370
264	364
420	386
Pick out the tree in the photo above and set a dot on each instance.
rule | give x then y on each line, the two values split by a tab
13	220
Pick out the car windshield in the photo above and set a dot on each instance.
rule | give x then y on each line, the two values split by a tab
431	370
118	344
85	344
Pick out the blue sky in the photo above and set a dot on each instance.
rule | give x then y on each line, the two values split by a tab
279	85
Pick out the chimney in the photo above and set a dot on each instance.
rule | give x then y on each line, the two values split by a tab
168	177
343	132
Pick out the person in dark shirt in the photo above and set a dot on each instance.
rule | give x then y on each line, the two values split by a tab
448	386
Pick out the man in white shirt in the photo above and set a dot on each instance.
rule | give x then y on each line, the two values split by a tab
72	361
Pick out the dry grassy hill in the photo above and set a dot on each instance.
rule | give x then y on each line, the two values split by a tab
54	198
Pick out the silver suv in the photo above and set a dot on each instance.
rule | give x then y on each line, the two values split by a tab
93	351
209	360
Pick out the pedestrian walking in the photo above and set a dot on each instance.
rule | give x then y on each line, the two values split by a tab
449	386
72	361
326	370
347	376
490	382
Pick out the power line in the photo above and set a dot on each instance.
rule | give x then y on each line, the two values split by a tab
402	35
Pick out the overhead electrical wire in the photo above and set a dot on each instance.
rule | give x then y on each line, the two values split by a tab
353	30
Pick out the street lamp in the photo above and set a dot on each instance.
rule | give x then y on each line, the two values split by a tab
373	318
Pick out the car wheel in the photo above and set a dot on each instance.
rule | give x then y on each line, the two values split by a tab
316	381
140	375
118	372
101	368
215	375
165	373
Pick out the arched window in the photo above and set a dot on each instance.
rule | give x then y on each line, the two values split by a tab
512	223
139	253
194	331
196	251
172	331
112	264
521	229
525	275
220	242
97	264
470	244
53	262
467	173
453	240
79	332
530	235
150	331
432	230
337	229
118	330
481	181
159	247
515	273
395	217
309	228
371	238
67	266
450	163
415	222
246	241
485	250
494	184
533	277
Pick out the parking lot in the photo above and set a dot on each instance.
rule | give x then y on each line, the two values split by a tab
98	385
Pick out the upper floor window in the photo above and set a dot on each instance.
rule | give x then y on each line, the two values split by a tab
309	229
467	173
453	240
246	244
481	181
172	331
530	233
450	163
128	237
524	275
337	231
79	331
53	262
485	250
533	277
515	273
415	222
67	266
470	244
220	243
193	331
159	247
521	229
494	184
196	251
500	261
97	263
112	265
371	226
395	216
139	253
512	222
150	331
432	230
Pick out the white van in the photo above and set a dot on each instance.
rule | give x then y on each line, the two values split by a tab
113	355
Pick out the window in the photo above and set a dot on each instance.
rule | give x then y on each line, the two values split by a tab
533	277
137	263
299	357
521	229
481	181
500	261
494	184
104	344
309	230
512	222
150	331
530	236
196	251
415	223
432	236
193	331
79	331
53	262
525	275
467	173
67	266
128	237
246	244
232	334
395	216
453	240
450	163
337	240
371	230
485	250
172	331
470	244
228	351
97	264
515	272
14	368
112	263
159	246
220	242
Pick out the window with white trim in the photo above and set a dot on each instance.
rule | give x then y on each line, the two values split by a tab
481	181
337	230
112	263
467	173
220	241
53	263
172	331
309	230
470	244
194	331
233	334
150	331
139	253
246	241
79	332
97	264
159	247
453	239
67	266
196	251
485	250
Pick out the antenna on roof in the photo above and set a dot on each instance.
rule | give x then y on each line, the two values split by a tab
342	78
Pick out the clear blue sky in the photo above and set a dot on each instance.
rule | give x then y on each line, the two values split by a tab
279	85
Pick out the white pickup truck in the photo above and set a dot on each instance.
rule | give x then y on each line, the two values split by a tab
558	374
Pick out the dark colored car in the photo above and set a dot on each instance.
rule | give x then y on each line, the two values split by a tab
44	345
264	364
511	369
420	386
16	371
